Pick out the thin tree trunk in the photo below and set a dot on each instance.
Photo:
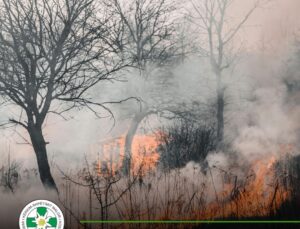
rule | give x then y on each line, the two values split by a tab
137	119
220	111
39	146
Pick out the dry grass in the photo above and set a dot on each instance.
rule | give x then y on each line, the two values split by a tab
185	194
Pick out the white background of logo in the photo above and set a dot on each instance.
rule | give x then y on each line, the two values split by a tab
29	211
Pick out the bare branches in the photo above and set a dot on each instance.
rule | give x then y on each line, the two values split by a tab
54	50
104	187
211	19
230	35
148	27
10	175
217	32
18	123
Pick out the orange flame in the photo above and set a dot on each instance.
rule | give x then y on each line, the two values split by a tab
261	195
143	153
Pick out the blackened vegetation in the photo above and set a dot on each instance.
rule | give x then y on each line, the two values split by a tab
13	177
186	141
10	176
288	174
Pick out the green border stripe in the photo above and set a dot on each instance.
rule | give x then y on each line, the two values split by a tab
192	221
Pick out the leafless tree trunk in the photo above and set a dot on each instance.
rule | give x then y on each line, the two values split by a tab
39	146
149	29
211	18
220	109
135	122
52	52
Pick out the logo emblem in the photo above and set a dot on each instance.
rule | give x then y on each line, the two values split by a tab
41	214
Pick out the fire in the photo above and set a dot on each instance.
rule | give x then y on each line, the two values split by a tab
143	153
260	194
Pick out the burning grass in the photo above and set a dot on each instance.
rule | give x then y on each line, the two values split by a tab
230	189
227	188
253	189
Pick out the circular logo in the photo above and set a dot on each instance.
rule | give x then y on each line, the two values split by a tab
41	214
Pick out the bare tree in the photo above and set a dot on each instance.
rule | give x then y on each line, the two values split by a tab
149	27
51	53
218	31
106	189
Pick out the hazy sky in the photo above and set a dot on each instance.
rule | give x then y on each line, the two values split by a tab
274	22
